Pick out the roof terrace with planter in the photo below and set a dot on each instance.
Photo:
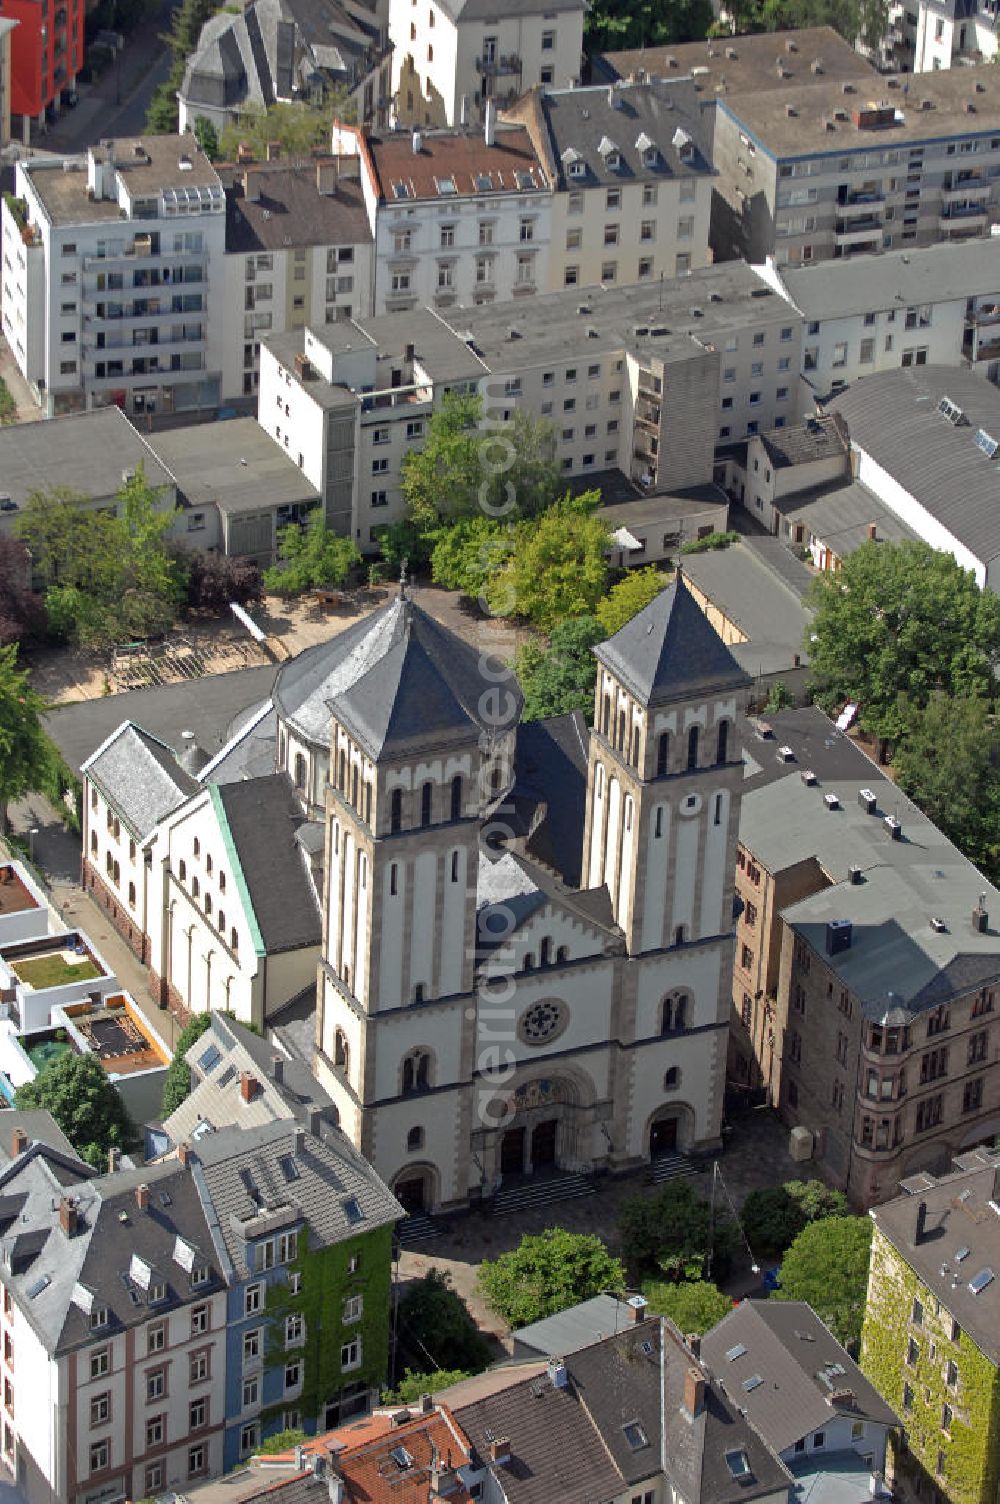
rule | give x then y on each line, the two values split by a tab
39	974
24	912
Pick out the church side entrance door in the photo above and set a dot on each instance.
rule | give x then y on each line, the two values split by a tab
543	1145
512	1152
663	1137
411	1193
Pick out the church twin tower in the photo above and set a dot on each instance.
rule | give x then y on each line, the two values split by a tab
482	1014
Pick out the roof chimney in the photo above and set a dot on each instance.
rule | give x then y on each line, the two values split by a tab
416	142
114	1160
326	177
142	1197
500	1449
558	1374
872	532
314	1121
249	1086
67	1215
694	1392
980	918
637	1308
693	1341
183	1154
490	123
426	1404
251	186
18	1142
278	1068
919	1223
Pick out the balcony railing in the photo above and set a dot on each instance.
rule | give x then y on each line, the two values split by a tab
503	63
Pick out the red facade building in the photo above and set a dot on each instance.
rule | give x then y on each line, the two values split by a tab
46	52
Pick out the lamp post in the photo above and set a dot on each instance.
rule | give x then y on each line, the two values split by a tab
32	833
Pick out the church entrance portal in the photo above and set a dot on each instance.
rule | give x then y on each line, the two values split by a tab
543	1144
512	1152
663	1137
412	1193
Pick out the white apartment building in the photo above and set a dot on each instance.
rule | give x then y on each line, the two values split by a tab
631	171
109	266
928	35
450	57
298	250
822	172
113	1330
937	306
627	377
458	216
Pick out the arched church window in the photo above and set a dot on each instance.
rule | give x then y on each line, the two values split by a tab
393	880
658	823
528	964
299	772
415	1139
416	1071
341	1051
545	952
693	748
496	779
354	785
722	742
396	811
607	714
662	753
621	730
456	797
342	781
426	794
368	804
672	1079
674	1013
562	954
454	866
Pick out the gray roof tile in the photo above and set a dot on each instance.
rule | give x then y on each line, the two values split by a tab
140	776
263	816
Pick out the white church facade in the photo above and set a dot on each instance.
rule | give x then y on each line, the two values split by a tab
527	930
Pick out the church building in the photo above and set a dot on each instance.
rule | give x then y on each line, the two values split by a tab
527	930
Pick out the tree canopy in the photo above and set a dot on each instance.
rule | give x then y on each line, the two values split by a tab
77	1092
26	754
615	24
312	556
548	1272
557	567
297	127
695	1306
214	581
469	467
900	619
413	1384
559	677
435	1331
21	611
947	763
827	1265
774	1216
468	552
672	1232
628	597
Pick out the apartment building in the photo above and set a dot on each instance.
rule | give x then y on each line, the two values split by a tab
923	440
46	54
272	50
719	66
852	1012
626	374
937	306
927	35
458	216
631	174
298	250
932	1324
450	58
821	172
113	1329
112	262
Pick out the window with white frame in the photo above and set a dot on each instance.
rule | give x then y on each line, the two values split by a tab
350	1355
354	1307
295	1329
253	1299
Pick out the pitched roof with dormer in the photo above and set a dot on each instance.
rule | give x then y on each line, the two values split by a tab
671	651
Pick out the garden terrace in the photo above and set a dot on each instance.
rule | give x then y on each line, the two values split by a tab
117	1034
15	895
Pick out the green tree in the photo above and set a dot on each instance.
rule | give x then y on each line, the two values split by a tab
947	763
548	1272
297	128
779	697
827	1265
674	1231
628	597
615	24
26	754
413	1384
312	557
435	1330
467	553
470	467
77	1092
177	1081
900	619
695	1306
206	136
8	407
772	1220
404	540
281	1441
186	22
558	566
559	677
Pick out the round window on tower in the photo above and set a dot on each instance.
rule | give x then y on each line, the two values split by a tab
543	1021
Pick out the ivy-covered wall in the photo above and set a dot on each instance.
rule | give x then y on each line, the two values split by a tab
971	1445
327	1282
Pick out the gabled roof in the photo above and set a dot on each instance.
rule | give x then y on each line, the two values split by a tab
260	817
247	1174
670	651
802	1365
140	776
389	699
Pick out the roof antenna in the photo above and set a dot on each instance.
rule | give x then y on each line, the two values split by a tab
404	563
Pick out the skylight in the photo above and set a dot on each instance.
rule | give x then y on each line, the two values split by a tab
445	185
40	1284
984	442
978	1282
962	1253
738	1464
402	1458
209	1059
289	1168
753	1382
229	1074
733	1353
352	1210
951	411
401	190
635	1435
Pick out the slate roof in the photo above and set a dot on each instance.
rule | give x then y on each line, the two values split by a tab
802	1365
550	789
670	649
330	1173
576	124
92	1267
893	417
943	273
815	439
287	209
140	776
959	1215
262	816
397	677
227	1050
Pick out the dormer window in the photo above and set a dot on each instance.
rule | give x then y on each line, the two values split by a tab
574	164
98	1318
610	154
578	169
157	1292
199	1275
648	149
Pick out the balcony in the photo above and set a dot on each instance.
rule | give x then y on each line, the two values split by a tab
857	230
397	396
649	415
964	219
858	203
963	188
140	249
495	67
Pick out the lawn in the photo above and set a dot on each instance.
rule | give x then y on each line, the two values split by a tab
53	971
